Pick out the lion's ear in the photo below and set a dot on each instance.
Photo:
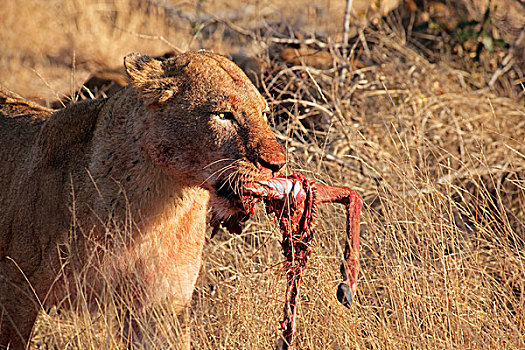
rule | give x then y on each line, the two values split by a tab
149	76
142	69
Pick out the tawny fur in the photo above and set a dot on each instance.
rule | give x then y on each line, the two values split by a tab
149	162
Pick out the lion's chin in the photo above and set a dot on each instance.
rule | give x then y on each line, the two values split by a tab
223	207
227	215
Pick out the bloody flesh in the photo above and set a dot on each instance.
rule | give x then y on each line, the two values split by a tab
294	200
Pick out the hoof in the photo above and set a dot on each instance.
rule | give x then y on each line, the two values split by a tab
344	294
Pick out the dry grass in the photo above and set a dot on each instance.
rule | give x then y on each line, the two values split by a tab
438	159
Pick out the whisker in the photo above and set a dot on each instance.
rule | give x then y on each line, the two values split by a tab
220	171
218	161
217	173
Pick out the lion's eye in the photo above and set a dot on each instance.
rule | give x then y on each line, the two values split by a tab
225	115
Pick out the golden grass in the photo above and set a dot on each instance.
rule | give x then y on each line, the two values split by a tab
438	159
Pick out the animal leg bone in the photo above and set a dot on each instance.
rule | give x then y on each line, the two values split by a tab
294	199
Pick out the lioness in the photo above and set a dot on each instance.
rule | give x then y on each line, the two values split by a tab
150	160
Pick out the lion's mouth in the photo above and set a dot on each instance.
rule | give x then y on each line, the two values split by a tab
226	190
232	192
230	203
239	207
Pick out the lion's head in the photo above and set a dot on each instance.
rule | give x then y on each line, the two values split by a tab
206	124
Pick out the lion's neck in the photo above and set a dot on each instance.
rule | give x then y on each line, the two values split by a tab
140	192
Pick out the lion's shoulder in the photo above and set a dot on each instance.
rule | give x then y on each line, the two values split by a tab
20	122
36	137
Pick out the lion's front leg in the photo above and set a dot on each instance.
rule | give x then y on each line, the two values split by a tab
155	299
19	305
17	316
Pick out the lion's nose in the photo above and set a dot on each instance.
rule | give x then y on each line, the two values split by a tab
273	161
